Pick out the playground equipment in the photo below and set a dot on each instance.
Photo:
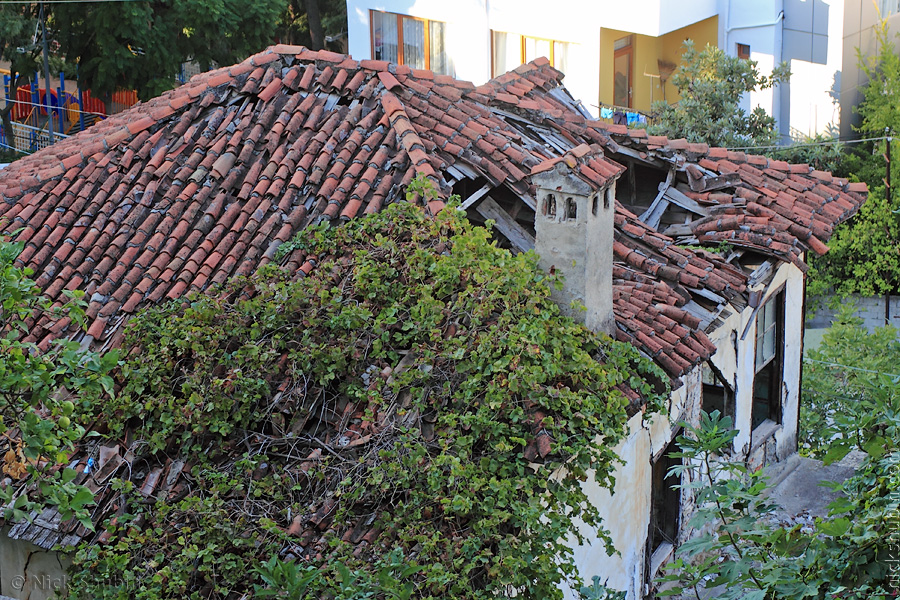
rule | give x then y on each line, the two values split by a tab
35	107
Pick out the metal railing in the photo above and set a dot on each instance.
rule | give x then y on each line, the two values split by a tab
26	138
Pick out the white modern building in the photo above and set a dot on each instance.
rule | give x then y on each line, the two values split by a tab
619	55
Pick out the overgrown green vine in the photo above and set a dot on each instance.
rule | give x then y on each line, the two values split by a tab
415	411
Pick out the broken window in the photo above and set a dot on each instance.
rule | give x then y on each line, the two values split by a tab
717	393
769	361
509	50
404	40
571	209
549	207
665	499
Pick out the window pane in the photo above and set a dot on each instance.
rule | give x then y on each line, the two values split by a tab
413	43
384	36
769	344
440	62
561	56
621	43
507	52
530	50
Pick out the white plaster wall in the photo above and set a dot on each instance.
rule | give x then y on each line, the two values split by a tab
757	24
28	572
577	22
626	514
654	17
468	36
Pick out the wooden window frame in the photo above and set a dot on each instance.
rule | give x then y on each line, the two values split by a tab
400	17
743	51
522	39
776	362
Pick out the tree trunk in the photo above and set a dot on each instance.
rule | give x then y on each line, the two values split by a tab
4	113
315	24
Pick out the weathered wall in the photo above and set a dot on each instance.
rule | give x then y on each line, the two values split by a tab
875	312
580	247
28	572
626	512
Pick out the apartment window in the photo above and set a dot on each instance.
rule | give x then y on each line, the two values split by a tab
743	51
769	361
405	40
509	50
889	7
622	59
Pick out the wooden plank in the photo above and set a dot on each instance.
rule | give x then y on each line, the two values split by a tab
644	157
676	197
476	196
521	240
655	212
762	274
679	229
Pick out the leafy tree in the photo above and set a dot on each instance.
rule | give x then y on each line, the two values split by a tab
141	45
850	400
308	22
865	251
42	397
19	45
711	84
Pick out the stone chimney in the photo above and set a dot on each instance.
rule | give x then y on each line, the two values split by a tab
574	226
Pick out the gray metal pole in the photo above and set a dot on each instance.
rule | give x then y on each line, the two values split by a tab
47	85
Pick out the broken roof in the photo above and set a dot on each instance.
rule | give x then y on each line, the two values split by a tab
206	181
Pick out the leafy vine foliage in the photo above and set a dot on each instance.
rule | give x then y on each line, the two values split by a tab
39	389
412	419
850	382
746	555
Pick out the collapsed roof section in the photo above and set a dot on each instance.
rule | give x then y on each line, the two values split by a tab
206	181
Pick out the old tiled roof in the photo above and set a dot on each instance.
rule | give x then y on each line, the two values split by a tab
653	278
207	180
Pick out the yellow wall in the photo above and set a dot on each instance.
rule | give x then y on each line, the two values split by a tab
646	50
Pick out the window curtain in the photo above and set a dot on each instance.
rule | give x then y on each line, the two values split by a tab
413	43
507	52
384	36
